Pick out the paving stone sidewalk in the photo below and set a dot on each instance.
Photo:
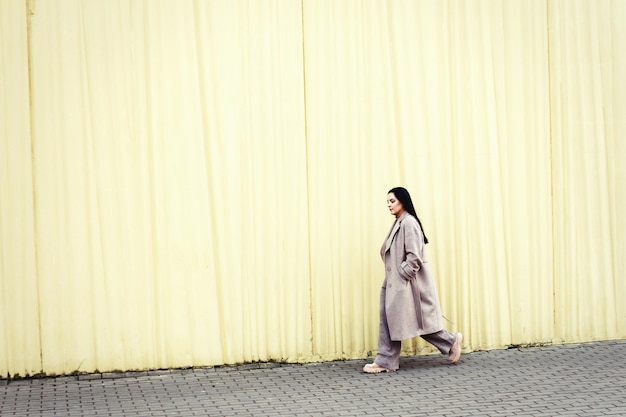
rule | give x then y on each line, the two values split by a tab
586	379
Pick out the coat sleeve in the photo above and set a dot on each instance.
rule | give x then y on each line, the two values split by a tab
413	242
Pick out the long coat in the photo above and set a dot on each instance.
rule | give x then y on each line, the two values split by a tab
408	297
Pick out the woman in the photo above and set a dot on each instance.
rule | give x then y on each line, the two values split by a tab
409	305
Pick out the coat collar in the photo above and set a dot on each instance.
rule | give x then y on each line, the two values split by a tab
394	230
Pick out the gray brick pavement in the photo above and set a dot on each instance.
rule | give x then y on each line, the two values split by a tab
566	380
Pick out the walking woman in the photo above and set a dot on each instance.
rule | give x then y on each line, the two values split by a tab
409	305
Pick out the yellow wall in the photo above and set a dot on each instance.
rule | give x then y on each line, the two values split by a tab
203	182
20	342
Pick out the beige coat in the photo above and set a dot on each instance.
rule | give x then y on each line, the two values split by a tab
409	294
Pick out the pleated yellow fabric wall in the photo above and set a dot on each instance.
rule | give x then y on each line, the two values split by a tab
196	183
20	346
588	107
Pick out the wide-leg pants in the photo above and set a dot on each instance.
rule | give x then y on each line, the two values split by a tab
389	350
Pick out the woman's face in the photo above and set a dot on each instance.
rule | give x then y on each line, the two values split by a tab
394	206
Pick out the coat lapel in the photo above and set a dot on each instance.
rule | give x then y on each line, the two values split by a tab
394	231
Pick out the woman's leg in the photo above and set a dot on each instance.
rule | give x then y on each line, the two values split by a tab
388	350
447	343
442	340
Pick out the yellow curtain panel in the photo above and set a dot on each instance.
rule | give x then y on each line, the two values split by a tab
203	182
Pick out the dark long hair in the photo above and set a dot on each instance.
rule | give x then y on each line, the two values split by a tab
404	198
